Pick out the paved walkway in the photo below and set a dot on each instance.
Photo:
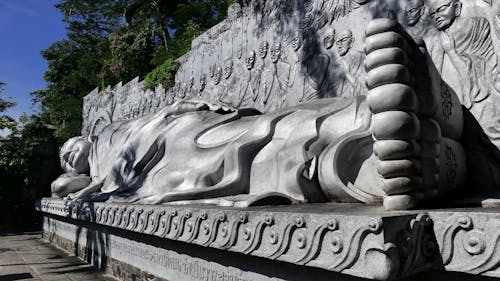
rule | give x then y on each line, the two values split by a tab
27	257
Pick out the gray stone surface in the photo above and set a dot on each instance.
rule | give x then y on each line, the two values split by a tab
463	41
382	148
389	103
356	110
280	242
357	241
29	257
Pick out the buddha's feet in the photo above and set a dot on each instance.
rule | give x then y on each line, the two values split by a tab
417	119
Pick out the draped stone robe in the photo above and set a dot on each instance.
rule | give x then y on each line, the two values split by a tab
190	152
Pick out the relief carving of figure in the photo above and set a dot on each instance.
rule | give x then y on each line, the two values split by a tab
192	90
227	87
266	77
352	63
295	80
315	64
468	44
279	72
249	94
203	83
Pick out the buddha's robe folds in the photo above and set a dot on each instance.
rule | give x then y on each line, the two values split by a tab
193	151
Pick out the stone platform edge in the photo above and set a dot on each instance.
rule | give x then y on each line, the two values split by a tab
358	241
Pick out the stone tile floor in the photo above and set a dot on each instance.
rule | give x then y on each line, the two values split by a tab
28	257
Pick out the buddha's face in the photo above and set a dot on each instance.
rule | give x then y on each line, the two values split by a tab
228	68
345	42
250	60
263	48
297	41
444	12
74	156
276	52
414	11
329	39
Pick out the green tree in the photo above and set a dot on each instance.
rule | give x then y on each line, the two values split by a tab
116	40
6	122
28	163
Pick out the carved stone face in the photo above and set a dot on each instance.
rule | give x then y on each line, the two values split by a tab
218	76
74	155
345	42
263	49
203	82
329	39
250	60
276	52
414	11
444	12
228	68
297	41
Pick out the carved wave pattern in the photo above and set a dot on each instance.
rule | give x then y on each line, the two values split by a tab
346	244
470	243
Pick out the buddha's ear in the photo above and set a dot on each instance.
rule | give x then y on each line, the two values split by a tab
458	8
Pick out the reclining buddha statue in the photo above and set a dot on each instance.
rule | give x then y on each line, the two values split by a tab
398	146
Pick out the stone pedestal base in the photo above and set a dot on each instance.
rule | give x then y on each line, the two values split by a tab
314	242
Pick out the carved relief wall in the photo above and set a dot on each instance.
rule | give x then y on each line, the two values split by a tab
274	54
288	52
121	102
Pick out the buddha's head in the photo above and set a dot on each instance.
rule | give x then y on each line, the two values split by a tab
74	155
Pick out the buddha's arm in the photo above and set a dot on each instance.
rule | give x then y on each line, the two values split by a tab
69	183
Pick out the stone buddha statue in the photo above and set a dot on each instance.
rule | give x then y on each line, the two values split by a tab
392	147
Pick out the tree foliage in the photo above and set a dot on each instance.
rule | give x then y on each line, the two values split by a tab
116	40
28	162
6	122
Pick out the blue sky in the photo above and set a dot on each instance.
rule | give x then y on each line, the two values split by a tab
26	28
